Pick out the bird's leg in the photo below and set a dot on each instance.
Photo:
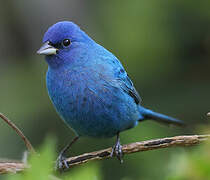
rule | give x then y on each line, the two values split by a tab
61	160
117	150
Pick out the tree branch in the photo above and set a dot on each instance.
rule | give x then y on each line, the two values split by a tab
6	167
11	167
19	132
138	147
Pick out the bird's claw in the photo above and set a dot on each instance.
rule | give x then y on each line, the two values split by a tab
61	163
117	151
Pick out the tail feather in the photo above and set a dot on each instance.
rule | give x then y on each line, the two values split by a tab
147	114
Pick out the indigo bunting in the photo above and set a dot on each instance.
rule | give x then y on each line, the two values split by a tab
89	87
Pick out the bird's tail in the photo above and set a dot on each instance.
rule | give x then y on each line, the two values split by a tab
147	114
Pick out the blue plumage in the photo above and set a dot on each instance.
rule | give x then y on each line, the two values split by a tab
88	85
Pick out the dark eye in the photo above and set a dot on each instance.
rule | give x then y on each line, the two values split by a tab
66	42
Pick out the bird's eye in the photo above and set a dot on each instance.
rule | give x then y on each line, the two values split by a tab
66	42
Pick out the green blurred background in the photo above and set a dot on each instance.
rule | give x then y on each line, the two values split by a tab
163	45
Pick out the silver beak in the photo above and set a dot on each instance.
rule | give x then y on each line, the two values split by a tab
47	49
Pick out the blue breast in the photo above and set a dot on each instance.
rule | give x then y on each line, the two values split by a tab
90	102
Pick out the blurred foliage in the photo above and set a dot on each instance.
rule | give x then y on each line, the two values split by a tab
192	165
164	46
42	167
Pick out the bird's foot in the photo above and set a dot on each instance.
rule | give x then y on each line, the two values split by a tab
61	163
117	151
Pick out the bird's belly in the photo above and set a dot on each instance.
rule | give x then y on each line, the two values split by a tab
94	118
93	111
97	125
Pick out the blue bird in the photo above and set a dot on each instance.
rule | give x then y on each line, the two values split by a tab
90	89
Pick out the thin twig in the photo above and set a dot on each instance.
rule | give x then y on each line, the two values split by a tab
19	132
11	167
183	141
14	167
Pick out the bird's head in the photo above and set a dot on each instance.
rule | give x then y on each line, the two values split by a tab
59	41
